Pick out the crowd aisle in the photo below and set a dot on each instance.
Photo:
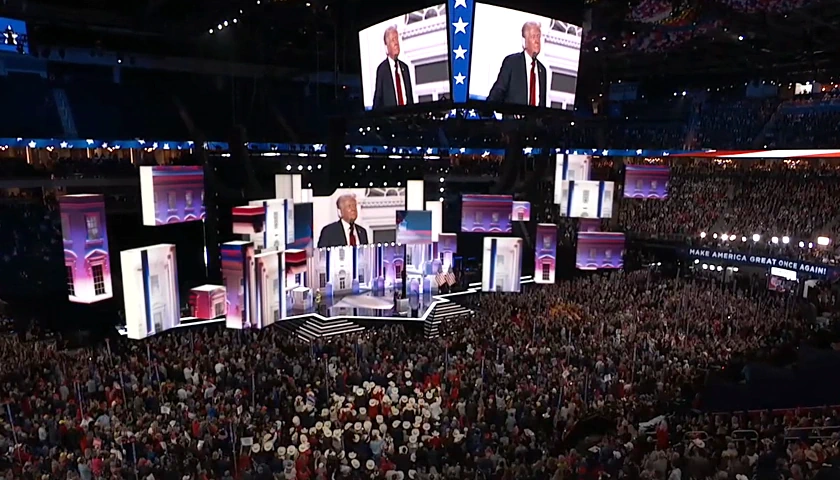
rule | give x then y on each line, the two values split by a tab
503	395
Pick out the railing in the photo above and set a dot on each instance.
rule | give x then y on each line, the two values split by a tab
813	433
744	436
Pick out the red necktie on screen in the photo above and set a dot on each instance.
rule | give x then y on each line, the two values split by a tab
400	100
533	92
352	235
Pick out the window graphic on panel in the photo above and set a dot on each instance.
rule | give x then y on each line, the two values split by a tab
86	253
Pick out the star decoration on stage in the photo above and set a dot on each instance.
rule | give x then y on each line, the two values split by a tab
64	144
460	26
460	3
459	79
460	52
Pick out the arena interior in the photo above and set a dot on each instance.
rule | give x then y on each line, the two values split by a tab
334	239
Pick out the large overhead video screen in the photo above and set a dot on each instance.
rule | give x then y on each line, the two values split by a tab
405	60
521	58
356	216
171	194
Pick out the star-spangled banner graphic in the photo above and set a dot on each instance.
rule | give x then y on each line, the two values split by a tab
312	150
460	45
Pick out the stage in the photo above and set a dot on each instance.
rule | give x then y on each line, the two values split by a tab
358	312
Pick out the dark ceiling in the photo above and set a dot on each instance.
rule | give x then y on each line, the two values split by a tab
322	34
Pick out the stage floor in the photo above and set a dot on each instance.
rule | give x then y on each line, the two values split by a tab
369	304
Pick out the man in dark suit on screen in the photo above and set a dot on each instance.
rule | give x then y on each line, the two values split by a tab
522	79
344	232
393	80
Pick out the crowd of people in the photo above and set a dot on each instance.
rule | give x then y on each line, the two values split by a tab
733	125
507	394
806	128
779	199
30	246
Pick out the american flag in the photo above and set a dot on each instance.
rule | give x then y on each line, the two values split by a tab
450	278
440	278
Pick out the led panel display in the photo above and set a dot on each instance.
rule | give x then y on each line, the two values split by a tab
87	259
501	269
545	253
486	213
405	59
171	194
150	290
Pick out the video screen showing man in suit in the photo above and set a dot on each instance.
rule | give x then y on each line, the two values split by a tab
523	59
356	216
405	59
344	231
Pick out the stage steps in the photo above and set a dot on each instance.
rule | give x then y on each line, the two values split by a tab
444	311
314	327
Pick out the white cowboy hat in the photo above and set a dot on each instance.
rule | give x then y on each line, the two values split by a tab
355	463
304	447
395	424
362	411
351	455
281	451
395	411
407	374
380	419
370	465
328	433
368	425
406	425
412	474
255	448
268	446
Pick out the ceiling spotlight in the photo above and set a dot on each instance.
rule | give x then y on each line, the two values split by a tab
211	31
226	23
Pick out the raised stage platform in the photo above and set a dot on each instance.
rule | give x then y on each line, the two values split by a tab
344	315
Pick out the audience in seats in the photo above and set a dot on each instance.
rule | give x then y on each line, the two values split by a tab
509	393
728	124
772	199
